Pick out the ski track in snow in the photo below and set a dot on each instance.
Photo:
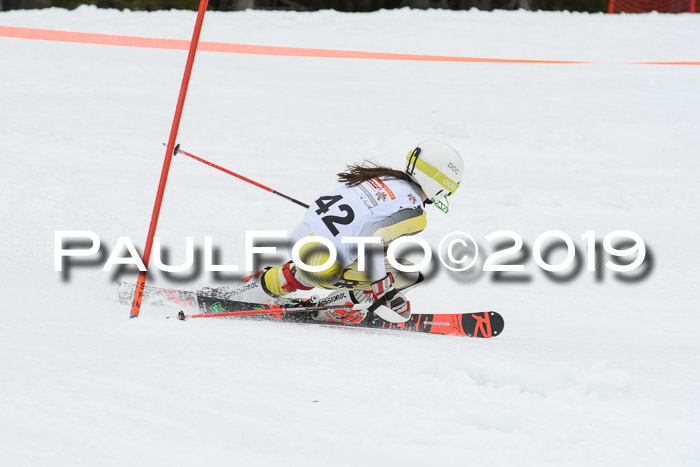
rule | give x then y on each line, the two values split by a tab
586	372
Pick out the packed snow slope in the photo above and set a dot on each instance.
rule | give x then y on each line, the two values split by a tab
589	371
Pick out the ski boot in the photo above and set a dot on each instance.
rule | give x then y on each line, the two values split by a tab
268	286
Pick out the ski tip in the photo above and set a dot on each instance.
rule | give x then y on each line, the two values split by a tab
497	323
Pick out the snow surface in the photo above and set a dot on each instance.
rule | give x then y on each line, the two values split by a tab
586	373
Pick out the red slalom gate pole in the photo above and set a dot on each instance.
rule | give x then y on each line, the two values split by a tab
239	176
141	281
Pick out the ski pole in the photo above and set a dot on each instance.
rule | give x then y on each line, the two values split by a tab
267	311
245	179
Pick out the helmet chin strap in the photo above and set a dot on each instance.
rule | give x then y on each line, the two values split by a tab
442	206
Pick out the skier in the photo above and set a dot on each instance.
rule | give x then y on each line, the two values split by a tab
374	201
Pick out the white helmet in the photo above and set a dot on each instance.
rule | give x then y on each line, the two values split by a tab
438	169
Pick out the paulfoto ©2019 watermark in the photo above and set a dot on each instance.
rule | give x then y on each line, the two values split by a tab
457	251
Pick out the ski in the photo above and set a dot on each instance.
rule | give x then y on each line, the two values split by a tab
156	295
484	324
257	310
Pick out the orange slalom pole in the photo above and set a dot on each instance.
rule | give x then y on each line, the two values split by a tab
141	281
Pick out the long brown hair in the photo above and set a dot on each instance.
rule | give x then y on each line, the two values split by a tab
357	173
